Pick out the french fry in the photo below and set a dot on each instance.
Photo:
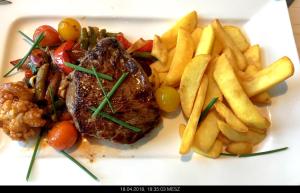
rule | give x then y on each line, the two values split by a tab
154	79
239	148
183	55
190	82
217	48
269	76
228	42
231	134
163	67
230	117
159	50
238	37
196	36
206	41
224	139
212	88
207	132
236	97
136	45
188	23
189	132
162	76
253	56
262	98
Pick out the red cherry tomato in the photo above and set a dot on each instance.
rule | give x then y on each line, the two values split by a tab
51	36
120	37
61	56
147	47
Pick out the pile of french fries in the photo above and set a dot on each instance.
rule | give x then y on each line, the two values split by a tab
211	61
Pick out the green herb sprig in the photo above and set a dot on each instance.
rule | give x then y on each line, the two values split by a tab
207	108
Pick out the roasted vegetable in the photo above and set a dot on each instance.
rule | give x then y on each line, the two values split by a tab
54	84
41	78
84	39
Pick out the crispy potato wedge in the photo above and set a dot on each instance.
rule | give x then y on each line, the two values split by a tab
190	82
188	23
189	132
228	42
231	134
238	37
262	98
212	88
230	117
269	76
183	55
159	50
239	148
136	45
215	150
207	132
196	35
206	41
253	56
163	67
224	139
236	97
154	79
162	76
217	48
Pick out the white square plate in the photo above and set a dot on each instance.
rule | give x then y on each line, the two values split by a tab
155	159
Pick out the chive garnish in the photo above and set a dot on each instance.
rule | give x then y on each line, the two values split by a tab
79	164
53	103
37	143
21	62
118	121
88	71
103	90
207	108
110	93
256	154
29	40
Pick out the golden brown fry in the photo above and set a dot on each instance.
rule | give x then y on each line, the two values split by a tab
159	50
237	36
269	76
196	36
262	98
207	132
231	134
228	42
239	148
224	139
190	82
163	67
188	23
183	55
189	132
236	97
162	76
230	117
217	48
253	56
206	41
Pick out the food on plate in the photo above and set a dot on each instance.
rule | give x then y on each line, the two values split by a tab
159	50
239	148
190	82
167	98
237	36
196	35
188	23
69	29
51	36
183	55
62	135
206	41
20	117
133	101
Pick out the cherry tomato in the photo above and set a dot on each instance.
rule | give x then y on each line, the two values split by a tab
167	98
147	47
63	135
61	56
69	29
120	37
51	37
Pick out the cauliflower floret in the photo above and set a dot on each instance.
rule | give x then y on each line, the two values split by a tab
20	118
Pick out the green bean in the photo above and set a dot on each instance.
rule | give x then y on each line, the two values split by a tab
102	34
41	78
93	31
84	39
54	84
110	34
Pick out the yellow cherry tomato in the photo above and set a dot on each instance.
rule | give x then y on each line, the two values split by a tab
69	29
167	98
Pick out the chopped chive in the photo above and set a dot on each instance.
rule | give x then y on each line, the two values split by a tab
29	40
118	121
21	62
103	90
110	93
79	164
53	103
207	108
36	147
88	71
256	154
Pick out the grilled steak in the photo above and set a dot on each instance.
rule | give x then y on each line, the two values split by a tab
133	101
